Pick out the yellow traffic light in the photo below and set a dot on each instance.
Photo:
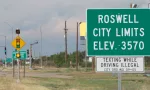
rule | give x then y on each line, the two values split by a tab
17	55
17	43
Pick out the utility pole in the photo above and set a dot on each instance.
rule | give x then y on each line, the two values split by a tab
77	47
66	58
41	46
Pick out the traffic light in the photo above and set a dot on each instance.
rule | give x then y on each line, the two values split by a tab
18	55
5	51
17	31
28	52
17	43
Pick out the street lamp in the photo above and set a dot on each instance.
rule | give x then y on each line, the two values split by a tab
10	27
5	49
5	38
77	62
31	53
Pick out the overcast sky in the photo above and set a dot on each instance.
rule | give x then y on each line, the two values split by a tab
29	15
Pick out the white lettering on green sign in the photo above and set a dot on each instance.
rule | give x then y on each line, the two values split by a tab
120	32
117	19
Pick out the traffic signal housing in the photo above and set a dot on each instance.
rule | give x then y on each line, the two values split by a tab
17	31
5	51
17	43
18	55
28	53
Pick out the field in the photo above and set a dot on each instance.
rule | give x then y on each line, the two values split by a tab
70	79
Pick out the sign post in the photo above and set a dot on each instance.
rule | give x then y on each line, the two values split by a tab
18	56
119	81
18	43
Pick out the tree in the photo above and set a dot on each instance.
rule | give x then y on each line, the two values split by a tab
59	58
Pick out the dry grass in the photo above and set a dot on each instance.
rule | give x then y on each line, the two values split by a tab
7	83
81	81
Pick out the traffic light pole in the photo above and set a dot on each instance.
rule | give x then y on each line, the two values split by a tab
24	68
18	54
30	56
30	67
5	53
18	71
13	66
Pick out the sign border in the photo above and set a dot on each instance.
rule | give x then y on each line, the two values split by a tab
118	71
20	39
14	52
87	32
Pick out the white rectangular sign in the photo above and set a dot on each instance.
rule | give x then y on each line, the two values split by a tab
123	64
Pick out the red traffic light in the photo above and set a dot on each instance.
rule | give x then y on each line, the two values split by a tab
17	40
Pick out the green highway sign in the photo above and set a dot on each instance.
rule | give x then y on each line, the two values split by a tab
113	32
8	60
22	53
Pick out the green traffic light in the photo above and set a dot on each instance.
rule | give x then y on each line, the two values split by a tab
17	46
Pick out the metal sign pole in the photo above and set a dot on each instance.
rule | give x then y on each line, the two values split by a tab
18	71
24	67
13	67
17	43
119	80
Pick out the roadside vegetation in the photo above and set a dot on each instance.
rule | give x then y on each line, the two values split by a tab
81	80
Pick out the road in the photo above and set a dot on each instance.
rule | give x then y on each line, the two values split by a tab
36	74
43	74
